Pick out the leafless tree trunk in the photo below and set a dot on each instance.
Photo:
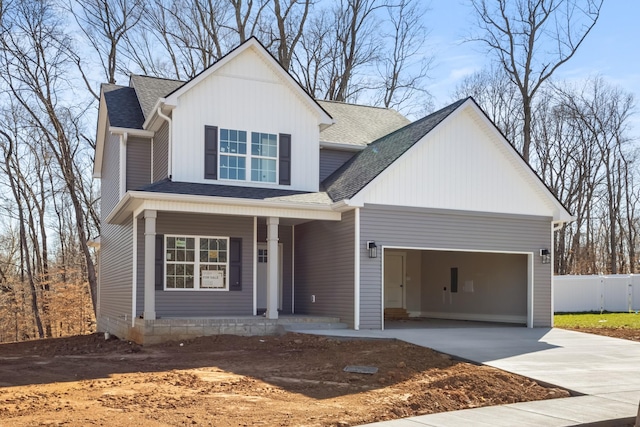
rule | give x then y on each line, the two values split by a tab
531	39
36	82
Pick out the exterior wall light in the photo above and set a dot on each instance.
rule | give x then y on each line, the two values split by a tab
545	255
373	249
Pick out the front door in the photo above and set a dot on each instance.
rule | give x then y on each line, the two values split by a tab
394	286
263	258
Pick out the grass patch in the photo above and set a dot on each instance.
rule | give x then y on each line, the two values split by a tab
597	320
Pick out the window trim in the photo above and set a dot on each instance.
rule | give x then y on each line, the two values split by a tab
196	263
248	156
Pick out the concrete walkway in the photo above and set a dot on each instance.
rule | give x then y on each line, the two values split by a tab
603	373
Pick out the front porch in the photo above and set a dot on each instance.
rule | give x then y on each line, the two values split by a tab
173	329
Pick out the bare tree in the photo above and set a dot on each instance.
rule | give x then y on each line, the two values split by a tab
289	27
36	83
404	65
491	89
531	39
104	24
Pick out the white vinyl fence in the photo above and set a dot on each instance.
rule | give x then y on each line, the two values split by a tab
617	293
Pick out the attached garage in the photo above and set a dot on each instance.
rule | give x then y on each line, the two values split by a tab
450	222
457	284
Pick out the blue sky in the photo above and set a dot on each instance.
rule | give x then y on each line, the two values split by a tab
611	49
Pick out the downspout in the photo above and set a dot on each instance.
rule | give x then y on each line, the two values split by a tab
356	271
170	145
555	226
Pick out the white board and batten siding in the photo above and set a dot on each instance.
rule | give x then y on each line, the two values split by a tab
460	165
245	94
420	228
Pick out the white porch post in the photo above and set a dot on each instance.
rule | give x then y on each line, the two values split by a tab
149	264
272	267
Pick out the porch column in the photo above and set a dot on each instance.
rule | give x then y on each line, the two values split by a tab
149	264
272	267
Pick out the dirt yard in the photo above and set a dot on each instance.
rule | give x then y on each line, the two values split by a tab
291	380
627	334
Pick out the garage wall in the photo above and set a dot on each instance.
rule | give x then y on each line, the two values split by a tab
491	287
422	228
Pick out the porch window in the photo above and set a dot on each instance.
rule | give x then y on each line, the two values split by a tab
196	262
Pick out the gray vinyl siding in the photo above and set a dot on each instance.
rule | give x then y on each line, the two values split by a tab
201	303
324	267
441	229
331	160
116	263
116	270
138	163
285	237
110	180
161	153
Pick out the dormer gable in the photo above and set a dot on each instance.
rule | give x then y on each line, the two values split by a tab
245	121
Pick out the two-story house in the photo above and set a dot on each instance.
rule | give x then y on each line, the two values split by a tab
235	199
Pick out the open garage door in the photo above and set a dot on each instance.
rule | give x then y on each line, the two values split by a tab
459	285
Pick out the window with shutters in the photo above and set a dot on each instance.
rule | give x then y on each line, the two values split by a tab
196	263
263	158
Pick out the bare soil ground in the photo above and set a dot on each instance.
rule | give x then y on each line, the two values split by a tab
291	380
624	333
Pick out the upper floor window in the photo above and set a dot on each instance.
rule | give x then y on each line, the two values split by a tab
230	155
264	152
233	154
235	159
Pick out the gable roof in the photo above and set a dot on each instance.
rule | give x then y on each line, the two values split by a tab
150	89
253	44
123	108
359	125
354	175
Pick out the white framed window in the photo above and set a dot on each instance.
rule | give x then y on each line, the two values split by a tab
259	163
196	263
233	154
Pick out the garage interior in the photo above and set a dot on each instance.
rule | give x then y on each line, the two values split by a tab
456	285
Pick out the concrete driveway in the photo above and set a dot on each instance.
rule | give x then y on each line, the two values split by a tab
604	371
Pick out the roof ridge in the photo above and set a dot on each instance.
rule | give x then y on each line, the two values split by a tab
357	105
157	78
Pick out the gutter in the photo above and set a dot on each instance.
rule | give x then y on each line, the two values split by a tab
141	196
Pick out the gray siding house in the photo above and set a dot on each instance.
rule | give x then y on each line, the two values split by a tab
235	202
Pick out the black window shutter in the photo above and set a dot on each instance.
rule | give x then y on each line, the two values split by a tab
211	152
159	262
235	264
285	159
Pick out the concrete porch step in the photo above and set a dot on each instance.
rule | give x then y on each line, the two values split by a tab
305	326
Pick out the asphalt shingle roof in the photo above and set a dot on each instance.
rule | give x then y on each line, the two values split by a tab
354	175
359	124
150	89
122	106
216	190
